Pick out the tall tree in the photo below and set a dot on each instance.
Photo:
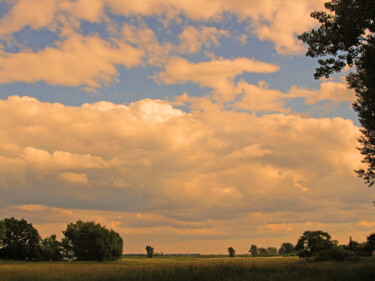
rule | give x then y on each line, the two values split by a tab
21	240
2	232
91	241
231	252
346	36
149	251
254	250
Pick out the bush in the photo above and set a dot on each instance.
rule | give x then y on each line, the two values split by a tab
336	253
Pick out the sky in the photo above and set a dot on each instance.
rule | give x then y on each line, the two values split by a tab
191	126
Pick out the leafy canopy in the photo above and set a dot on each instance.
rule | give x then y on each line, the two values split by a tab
313	242
150	251
21	241
346	36
91	241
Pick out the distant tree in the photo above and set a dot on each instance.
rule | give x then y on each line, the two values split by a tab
357	249
231	251
346	36
263	251
150	251
286	248
254	250
91	241
312	242
370	243
21	240
2	232
272	251
52	249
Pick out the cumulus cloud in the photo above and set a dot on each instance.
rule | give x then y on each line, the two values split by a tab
334	91
192	39
77	61
181	176
270	20
216	74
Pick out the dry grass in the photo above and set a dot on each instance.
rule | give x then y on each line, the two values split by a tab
190	268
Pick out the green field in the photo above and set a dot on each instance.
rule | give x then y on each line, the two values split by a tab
191	268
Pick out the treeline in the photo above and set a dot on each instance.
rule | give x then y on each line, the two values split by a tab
19	240
317	246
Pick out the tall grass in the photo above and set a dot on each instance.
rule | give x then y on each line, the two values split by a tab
180	269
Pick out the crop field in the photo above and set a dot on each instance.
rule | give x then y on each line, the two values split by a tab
191	268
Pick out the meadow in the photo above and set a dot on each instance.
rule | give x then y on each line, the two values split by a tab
191	268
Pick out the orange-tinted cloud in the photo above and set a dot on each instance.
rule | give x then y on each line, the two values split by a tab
180	176
216	74
77	61
270	20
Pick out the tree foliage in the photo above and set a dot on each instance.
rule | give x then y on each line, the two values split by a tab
286	248
149	251
346	37
52	249
21	240
2	232
231	252
91	241
313	242
370	243
254	250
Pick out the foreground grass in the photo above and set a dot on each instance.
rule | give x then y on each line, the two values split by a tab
188	268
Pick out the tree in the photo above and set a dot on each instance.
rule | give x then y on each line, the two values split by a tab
272	251
370	243
346	36
2	232
21	240
254	250
312	242
150	251
52	249
231	251
286	248
91	241
263	251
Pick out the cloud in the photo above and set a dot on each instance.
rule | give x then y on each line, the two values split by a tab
73	177
334	91
192	39
270	20
77	61
20	16
189	175
216	74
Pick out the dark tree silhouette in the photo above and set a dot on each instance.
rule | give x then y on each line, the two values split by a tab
231	252
346	37
91	241
312	242
21	241
286	248
254	250
150	251
52	249
2	232
370	243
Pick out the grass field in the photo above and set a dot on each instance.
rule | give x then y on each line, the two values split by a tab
191	268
